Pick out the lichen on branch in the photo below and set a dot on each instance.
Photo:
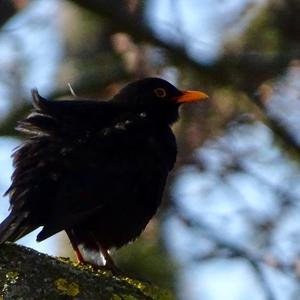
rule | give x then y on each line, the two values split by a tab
27	274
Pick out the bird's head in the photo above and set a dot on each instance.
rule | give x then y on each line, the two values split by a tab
157	96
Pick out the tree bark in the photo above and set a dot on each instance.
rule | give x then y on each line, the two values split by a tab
27	274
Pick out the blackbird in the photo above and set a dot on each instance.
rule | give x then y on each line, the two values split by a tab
94	169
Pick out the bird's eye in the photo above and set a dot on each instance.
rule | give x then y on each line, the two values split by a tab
160	92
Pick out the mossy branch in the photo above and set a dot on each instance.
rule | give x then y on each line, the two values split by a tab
27	274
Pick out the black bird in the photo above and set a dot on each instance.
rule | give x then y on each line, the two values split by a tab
94	169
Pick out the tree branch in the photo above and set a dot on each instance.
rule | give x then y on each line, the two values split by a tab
277	127
255	258
8	9
27	274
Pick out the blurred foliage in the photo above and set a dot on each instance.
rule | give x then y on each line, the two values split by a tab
145	259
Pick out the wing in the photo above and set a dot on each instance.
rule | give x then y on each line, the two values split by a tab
14	227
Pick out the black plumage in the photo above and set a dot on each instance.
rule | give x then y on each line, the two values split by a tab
94	169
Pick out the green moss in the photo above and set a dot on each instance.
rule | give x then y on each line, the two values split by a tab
149	290
145	288
12	277
129	297
116	297
67	288
100	271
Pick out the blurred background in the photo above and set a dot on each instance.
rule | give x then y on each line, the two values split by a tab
229	228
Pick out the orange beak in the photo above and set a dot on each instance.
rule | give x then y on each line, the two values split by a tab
190	96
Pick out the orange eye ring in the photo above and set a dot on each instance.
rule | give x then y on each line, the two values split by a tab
160	92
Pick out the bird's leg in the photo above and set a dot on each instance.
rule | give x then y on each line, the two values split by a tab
79	257
74	243
108	259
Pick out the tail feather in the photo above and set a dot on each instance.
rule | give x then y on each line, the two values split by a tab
14	227
39	103
40	121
